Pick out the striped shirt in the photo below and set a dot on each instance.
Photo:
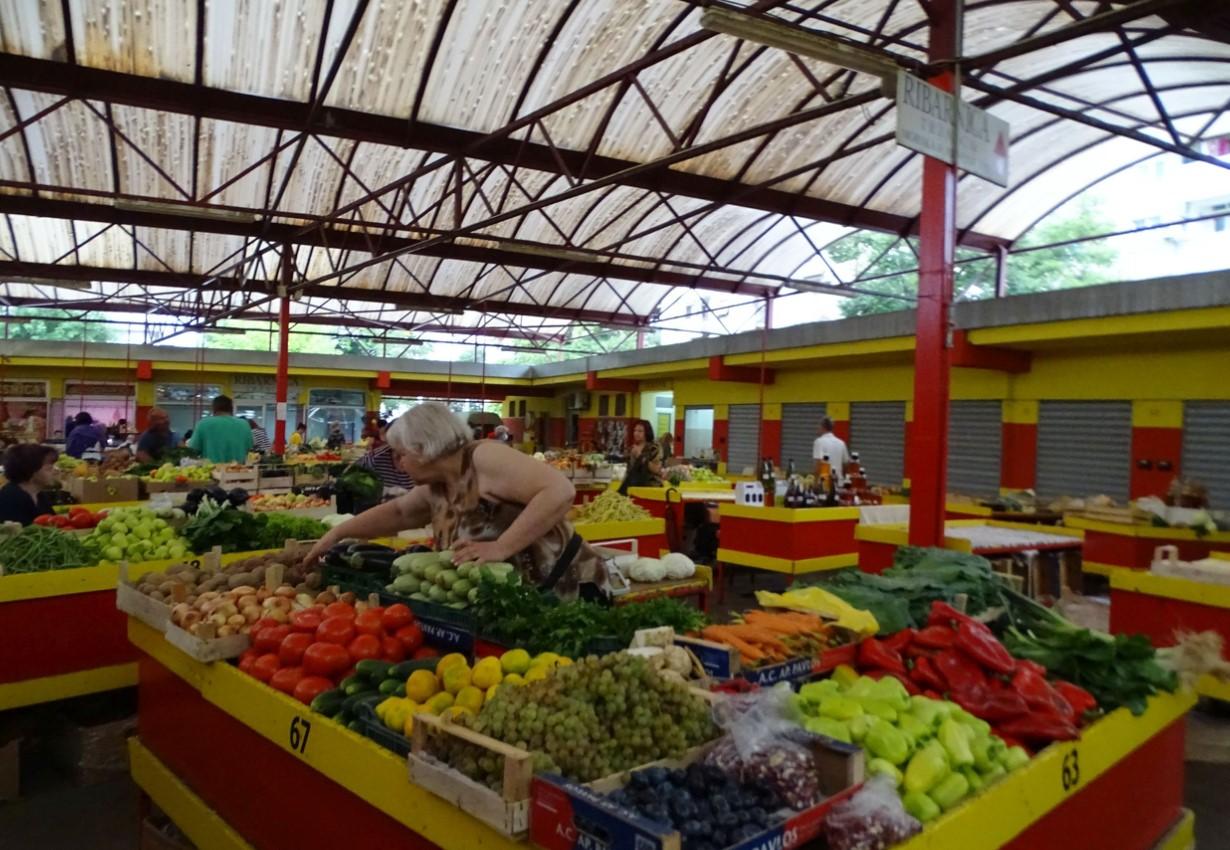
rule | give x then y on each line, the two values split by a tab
383	465
260	440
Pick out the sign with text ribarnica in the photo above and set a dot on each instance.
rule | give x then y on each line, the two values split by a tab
924	124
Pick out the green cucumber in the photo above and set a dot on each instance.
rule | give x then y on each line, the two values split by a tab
329	702
373	669
352	679
359	688
392	688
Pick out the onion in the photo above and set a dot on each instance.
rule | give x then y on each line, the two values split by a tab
236	620
246	600
278	615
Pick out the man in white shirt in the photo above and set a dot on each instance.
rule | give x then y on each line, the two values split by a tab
830	444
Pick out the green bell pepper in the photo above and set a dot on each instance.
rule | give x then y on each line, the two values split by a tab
950	790
887	742
920	806
953	737
840	707
926	768
883	767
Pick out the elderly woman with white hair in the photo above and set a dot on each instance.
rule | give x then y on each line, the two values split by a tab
485	501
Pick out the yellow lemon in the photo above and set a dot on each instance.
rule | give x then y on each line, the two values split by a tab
469	697
513	679
448	661
421	686
439	703
491	692
455	712
535	674
487	673
563	661
515	661
456	678
546	659
407	728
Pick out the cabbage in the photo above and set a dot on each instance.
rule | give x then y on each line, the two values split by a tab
678	565
647	569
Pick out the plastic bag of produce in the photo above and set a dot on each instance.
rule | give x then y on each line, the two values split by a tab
764	745
870	820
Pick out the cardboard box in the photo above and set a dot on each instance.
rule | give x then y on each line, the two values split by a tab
120	489
94	753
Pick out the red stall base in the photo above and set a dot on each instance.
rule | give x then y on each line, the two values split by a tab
54	635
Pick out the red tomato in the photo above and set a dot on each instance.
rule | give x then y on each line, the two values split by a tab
309	687
286	679
369	623
340	609
364	646
392	650
44	519
84	520
263	623
269	638
426	652
264	667
325	659
247	661
61	521
290	652
410	637
305	621
78	509
396	617
337	630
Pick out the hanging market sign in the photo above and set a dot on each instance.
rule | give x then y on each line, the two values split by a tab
105	389
18	389
924	124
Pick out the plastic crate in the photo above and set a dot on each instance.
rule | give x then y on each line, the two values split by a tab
356	581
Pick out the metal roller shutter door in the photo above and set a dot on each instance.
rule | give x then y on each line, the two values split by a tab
1084	449
975	437
877	433
1206	448
800	427
743	442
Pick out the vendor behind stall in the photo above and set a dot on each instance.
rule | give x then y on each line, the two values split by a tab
485	501
644	459
31	471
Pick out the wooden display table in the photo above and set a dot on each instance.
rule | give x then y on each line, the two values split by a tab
217	749
1110	546
698	585
61	636
1159	606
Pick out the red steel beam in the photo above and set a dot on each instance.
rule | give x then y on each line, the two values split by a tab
407	300
719	371
44	75
928	448
283	373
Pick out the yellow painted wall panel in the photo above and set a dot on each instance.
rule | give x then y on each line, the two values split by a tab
1157	414
1020	412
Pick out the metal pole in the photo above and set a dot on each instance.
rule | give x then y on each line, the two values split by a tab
1001	271
928	447
283	379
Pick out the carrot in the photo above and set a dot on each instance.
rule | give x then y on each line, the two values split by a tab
722	634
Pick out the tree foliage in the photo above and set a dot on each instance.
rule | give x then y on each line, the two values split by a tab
56	325
1061	267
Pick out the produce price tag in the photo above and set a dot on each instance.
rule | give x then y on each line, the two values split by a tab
567	816
715	659
1070	770
447	635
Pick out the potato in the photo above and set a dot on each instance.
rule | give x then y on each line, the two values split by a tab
158	596
146	588
325	597
312	580
154	578
168	586
241	579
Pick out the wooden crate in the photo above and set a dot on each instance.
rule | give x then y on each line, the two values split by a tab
506	811
155	614
115	489
246	478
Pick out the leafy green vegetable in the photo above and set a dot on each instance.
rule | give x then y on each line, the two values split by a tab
1119	670
359	482
239	531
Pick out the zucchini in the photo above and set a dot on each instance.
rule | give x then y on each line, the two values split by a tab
350	680
356	726
401	672
329	702
392	688
373	669
351	707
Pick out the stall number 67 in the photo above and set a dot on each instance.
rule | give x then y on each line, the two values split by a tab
1071	774
301	728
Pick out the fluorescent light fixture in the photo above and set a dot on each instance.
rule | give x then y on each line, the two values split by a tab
384	341
822	46
185	210
225	331
80	285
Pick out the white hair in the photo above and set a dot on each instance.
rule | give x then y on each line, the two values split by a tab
429	430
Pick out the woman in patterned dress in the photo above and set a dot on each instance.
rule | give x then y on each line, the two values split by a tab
485	501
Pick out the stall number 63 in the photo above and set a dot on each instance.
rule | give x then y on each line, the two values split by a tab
301	728
1071	774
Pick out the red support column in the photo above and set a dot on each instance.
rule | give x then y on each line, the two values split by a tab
279	428
928	447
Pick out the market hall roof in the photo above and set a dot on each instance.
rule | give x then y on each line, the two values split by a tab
510	165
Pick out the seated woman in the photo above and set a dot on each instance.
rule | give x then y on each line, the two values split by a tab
485	501
31	470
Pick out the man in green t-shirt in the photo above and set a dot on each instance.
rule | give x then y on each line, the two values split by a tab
222	438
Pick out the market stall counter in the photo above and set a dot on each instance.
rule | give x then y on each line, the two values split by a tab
794	541
1111	546
214	741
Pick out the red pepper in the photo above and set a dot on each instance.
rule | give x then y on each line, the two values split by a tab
925	674
910	687
936	637
979	644
958	671
917	650
994	707
1038	728
1079	699
1026	664
943	614
932	695
1037	692
899	641
873	654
